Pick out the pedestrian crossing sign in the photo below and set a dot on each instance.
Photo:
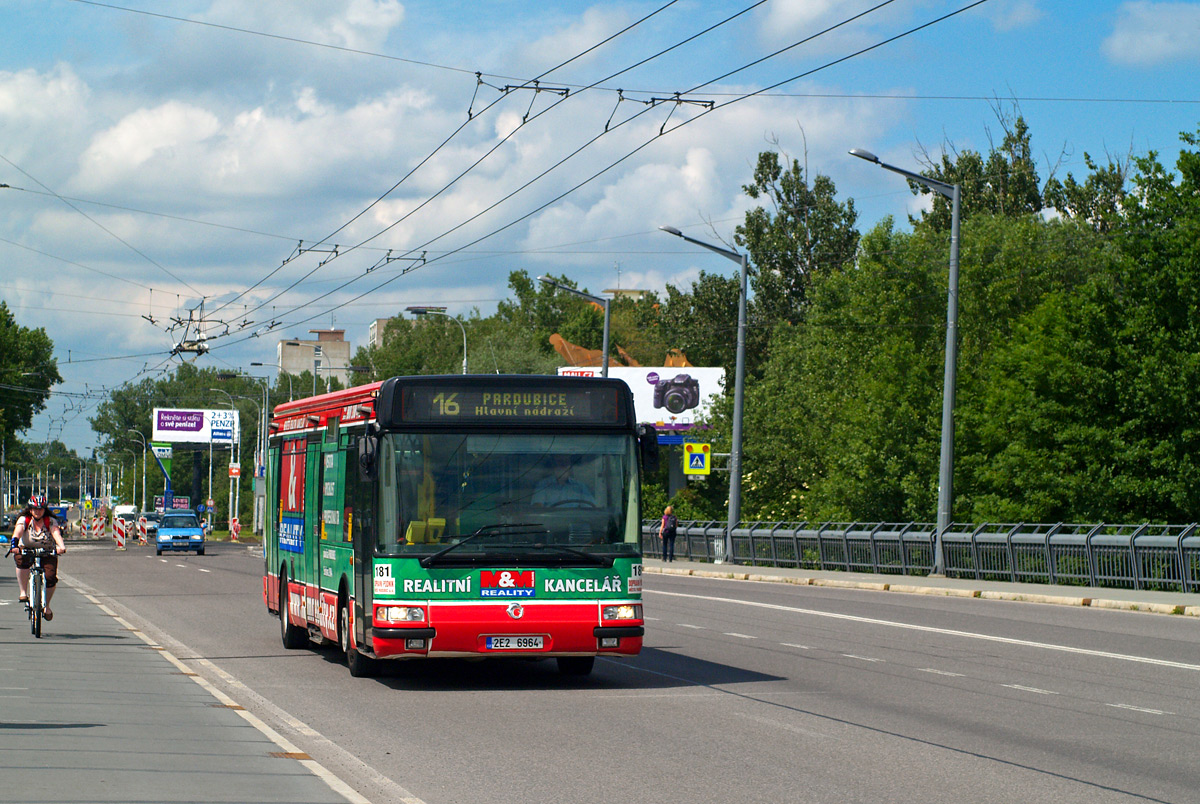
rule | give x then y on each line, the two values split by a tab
697	459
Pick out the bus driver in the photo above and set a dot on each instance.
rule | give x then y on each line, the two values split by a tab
559	488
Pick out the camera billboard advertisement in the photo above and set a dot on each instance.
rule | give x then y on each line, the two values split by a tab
669	398
195	426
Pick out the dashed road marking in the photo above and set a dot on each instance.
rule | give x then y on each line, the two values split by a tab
1023	688
1141	709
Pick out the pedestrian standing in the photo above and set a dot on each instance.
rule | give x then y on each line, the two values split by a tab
666	532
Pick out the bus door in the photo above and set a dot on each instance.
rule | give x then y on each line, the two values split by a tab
310	573
271	512
360	518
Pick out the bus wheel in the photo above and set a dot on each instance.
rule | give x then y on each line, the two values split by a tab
360	666
293	636
576	665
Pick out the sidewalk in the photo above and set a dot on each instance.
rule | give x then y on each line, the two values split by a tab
94	711
1180	603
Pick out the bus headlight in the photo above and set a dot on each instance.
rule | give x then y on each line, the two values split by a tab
400	614
626	611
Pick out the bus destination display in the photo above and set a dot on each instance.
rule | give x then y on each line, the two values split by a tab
509	405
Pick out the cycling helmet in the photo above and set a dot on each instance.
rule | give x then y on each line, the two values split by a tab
37	501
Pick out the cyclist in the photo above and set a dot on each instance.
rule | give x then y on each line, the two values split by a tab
37	527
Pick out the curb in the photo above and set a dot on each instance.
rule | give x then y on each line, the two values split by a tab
874	586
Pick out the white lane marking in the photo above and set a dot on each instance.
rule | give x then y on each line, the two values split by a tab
653	619
941	672
1103	654
1029	689
686	625
861	658
182	565
739	636
1139	709
204	570
793	645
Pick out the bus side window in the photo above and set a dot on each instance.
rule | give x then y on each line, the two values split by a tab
359	504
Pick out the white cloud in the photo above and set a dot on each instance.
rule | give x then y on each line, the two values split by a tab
160	135
1148	33
40	117
594	26
356	24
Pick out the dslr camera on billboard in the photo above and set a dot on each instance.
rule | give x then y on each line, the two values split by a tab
680	393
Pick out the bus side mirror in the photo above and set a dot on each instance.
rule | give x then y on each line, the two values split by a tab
648	447
368	449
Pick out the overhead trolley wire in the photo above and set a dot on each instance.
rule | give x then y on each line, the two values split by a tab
495	147
680	125
470	119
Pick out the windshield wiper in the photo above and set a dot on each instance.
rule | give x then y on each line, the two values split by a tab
531	529
591	558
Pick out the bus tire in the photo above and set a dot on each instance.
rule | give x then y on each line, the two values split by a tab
293	636
576	665
360	666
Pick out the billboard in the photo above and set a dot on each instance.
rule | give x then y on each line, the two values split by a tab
669	398
195	426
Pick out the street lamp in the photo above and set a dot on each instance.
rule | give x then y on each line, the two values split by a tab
734	514
424	310
946	465
598	300
282	373
143	440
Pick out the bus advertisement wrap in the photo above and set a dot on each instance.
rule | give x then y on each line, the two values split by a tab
291	493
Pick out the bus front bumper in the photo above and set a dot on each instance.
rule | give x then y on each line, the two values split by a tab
551	629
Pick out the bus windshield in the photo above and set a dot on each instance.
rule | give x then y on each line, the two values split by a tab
546	497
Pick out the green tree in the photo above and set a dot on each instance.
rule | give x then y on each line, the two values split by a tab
28	371
1004	183
806	231
1099	200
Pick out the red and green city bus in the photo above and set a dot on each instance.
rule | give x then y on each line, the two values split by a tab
459	516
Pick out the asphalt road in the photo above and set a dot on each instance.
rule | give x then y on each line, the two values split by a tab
746	692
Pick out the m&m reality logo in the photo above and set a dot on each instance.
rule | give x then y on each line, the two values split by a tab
507	583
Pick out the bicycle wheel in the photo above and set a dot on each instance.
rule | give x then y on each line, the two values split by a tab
37	601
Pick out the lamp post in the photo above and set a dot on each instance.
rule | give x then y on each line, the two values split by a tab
282	373
946	464
598	300
424	310
144	445
734	514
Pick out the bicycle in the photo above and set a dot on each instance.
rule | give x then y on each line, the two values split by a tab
35	607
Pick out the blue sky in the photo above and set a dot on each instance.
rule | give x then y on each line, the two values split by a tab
158	153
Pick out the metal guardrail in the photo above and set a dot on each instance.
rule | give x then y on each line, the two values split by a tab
1152	557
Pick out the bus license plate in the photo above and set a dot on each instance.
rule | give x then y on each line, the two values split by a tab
514	643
